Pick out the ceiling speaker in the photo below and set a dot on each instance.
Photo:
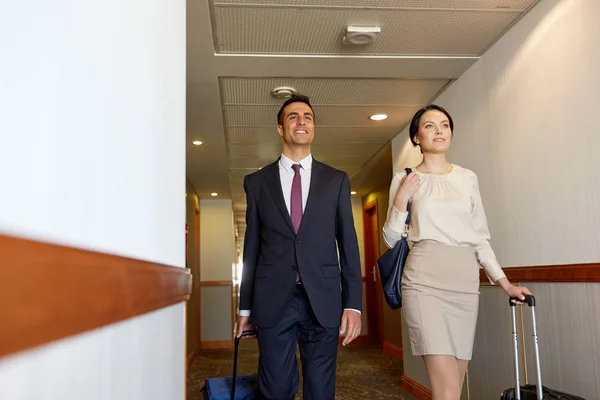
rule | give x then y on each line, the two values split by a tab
357	35
283	92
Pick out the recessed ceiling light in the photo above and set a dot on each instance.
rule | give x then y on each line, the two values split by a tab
353	192
378	117
196	143
213	194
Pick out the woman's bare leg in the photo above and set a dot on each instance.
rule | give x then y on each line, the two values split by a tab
444	376
462	371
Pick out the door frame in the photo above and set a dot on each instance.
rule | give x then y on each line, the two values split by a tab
197	271
373	291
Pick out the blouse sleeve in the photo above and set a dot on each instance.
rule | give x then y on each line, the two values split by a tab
396	219
484	252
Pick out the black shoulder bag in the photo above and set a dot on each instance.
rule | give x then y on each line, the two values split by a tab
391	265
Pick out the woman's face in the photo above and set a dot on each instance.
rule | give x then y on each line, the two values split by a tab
434	133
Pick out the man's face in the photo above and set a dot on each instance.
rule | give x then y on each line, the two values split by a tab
298	127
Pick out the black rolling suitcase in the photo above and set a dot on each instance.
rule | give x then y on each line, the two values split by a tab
527	391
234	387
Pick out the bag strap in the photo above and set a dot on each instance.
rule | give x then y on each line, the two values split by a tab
408	171
407	223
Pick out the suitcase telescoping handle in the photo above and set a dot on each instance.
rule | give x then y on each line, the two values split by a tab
530	300
235	359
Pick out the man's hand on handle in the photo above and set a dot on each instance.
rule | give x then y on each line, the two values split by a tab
244	325
351	326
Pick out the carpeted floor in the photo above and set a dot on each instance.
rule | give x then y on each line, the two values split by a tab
363	371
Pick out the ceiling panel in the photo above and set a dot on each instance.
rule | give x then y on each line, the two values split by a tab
239	194
269	136
247	162
409	31
356	135
250	134
448	4
260	151
324	115
257	151
357	91
359	150
237	181
297	43
345	137
239	173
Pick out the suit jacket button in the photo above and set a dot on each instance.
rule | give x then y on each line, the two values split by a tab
293	267
297	241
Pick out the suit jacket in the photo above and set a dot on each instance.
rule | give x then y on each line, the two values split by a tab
273	251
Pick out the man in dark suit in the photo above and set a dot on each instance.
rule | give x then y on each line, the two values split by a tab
295	289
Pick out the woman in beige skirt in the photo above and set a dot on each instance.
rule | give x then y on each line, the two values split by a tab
450	240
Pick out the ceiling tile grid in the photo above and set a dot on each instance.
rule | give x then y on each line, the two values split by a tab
258	151
268	135
443	4
311	30
309	33
345	137
333	116
357	91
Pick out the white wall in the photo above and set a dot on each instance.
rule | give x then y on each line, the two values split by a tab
357	214
217	240
526	121
92	100
217	256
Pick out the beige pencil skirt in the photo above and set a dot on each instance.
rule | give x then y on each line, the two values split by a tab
440	299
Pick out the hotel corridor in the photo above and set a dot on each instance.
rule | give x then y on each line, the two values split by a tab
363	371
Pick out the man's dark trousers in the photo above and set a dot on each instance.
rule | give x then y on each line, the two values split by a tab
318	352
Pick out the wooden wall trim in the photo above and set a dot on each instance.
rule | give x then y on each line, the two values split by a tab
217	344
393	349
360	339
216	283
415	388
49	292
551	273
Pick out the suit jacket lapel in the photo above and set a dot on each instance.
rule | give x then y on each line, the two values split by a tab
274	183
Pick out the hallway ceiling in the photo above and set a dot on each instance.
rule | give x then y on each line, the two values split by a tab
240	50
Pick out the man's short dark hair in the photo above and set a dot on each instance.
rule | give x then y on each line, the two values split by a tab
296	98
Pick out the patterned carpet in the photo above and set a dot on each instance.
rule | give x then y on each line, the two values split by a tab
363	371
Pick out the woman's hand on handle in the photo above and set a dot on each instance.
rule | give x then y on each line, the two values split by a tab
408	187
518	292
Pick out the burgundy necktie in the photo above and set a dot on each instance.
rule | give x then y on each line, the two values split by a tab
296	203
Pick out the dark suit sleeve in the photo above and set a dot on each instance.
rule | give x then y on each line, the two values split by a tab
348	248
251	249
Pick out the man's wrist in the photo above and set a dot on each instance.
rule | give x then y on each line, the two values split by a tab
244	313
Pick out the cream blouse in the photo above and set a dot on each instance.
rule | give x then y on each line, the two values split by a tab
446	209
